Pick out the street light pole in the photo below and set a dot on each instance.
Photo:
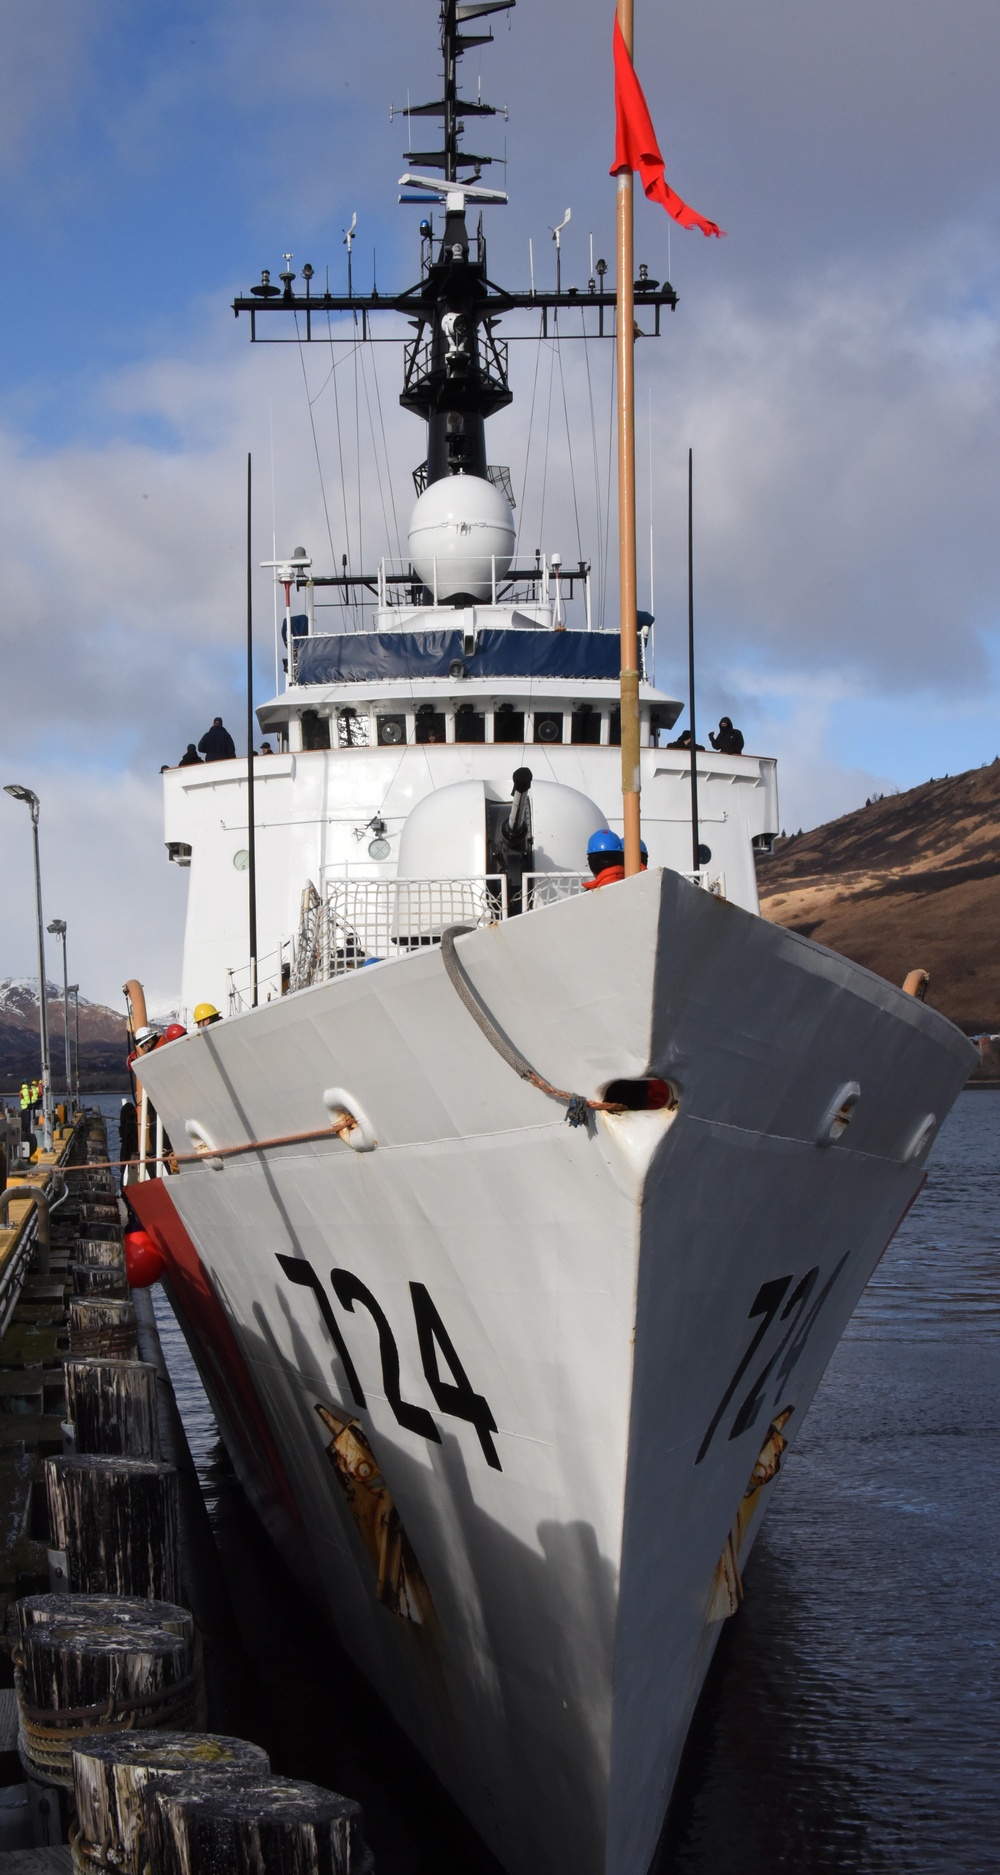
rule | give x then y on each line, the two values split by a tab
58	929
32	802
74	991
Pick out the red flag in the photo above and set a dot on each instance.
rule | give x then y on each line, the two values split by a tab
636	146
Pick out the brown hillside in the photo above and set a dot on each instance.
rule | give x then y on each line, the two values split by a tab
913	880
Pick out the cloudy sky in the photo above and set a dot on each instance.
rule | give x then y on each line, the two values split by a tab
833	363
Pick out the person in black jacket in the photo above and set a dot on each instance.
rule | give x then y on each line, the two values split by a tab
217	744
190	758
729	741
128	1131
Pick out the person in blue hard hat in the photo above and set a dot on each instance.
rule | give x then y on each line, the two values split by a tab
605	857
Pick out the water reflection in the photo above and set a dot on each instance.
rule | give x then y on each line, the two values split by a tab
851	1719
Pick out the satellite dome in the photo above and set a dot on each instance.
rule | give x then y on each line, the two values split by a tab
464	525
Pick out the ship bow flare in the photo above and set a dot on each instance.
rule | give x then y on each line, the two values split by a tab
514	1390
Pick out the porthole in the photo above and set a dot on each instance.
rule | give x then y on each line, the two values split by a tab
839	1114
241	860
920	1138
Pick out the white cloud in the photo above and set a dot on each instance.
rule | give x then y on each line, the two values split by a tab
846	442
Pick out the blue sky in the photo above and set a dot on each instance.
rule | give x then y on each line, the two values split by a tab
833	363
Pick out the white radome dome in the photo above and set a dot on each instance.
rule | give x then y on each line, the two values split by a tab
465	525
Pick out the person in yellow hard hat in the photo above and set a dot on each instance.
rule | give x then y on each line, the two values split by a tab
205	1014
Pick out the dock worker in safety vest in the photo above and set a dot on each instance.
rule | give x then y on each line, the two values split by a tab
605	857
205	1015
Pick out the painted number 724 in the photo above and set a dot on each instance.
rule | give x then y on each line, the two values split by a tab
455	1397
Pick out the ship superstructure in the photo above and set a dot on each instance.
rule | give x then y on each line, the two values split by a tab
516	1223
449	668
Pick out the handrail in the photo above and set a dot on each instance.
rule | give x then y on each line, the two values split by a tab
32	1194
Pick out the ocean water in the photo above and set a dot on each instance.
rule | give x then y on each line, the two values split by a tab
851	1720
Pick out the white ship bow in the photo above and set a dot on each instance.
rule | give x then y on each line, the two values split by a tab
565	1346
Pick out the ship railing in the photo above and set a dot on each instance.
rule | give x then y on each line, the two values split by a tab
547	888
547	585
239	979
364	921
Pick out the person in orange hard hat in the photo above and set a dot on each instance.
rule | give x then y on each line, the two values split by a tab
205	1014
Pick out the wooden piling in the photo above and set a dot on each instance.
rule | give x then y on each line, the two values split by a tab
101	1253
113	1525
128	1610
111	1773
76	1677
103	1326
90	1281
112	1406
275	1826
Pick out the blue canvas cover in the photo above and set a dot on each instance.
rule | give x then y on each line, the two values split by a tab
364	657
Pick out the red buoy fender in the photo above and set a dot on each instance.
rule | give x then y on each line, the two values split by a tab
144	1263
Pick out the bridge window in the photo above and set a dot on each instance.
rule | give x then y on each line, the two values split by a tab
548	726
315	730
391	731
508	724
470	724
430	724
615	728
586	724
352	729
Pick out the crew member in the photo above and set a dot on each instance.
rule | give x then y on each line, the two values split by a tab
190	757
205	1015
25	1110
145	1039
217	744
729	741
128	1131
605	857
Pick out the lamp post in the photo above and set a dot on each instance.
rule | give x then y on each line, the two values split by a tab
58	929
32	802
74	991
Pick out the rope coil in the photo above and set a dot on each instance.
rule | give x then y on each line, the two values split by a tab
86	1856
47	1734
117	1341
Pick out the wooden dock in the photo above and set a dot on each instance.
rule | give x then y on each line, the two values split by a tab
106	1758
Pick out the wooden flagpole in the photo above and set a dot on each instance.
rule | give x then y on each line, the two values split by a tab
251	726
626	501
695	828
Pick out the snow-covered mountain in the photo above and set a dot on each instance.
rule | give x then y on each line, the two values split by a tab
102	1036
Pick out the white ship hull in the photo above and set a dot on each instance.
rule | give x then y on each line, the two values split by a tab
632	1302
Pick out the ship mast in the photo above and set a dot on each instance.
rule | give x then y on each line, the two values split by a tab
626	501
